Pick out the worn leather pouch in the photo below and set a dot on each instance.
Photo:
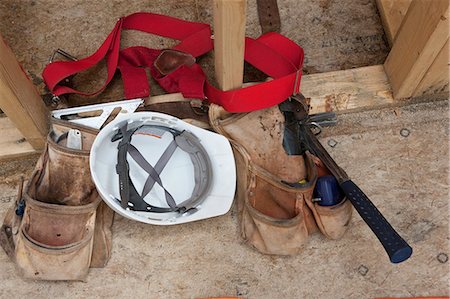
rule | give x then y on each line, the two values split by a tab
333	221
66	179
55	242
274	190
64	220
274	217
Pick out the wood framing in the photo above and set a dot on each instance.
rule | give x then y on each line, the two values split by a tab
229	41
365	87
418	64
421	37
20	100
437	76
13	144
392	13
359	88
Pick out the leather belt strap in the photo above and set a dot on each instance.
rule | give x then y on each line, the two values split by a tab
269	17
272	53
129	196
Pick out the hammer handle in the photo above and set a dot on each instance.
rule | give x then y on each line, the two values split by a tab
395	246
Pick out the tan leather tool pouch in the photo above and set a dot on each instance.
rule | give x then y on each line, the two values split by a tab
274	217
66	179
333	221
65	227
54	242
274	190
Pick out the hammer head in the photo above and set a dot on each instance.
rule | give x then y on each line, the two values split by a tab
297	105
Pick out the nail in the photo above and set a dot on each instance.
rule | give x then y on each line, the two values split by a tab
332	142
404	132
363	270
442	258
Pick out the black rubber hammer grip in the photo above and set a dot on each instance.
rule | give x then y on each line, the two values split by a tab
397	248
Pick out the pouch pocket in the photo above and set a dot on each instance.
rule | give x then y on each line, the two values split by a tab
101	251
65	176
274	217
55	241
42	261
273	235
332	221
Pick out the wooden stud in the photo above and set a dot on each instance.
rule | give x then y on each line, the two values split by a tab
229	40
422	35
436	78
20	100
392	13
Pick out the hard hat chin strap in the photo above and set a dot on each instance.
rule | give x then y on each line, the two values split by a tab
186	141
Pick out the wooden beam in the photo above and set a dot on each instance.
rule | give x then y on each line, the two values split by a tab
436	78
229	35
392	13
422	35
20	100
13	144
359	88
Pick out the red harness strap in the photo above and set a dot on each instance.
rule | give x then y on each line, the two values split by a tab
272	53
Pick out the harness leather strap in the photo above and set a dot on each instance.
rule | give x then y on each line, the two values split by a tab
272	53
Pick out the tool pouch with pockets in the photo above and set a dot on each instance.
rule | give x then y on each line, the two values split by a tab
59	227
274	190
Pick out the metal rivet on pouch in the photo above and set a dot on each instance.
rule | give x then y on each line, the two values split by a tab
332	143
363	270
404	132
442	258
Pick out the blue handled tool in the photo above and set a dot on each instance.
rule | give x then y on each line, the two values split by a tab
296	111
327	191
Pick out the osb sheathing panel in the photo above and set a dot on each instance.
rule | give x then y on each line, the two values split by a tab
335	34
405	176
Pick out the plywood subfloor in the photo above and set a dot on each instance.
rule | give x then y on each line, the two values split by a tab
406	177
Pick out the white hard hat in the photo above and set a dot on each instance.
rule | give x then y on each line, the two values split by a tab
155	168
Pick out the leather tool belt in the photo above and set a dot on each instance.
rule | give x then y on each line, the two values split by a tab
59	227
275	217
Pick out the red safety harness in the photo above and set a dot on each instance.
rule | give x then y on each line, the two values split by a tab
272	53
